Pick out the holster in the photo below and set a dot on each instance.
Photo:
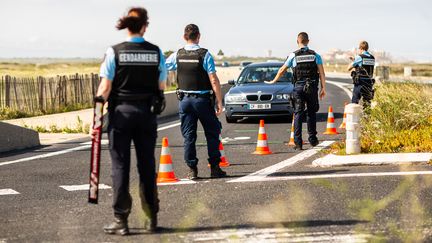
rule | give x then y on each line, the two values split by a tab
180	95
158	103
212	99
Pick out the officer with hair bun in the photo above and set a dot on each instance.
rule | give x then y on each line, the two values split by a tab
199	91
133	79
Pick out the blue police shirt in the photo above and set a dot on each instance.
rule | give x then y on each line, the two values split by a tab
208	64
358	61
291	61
107	69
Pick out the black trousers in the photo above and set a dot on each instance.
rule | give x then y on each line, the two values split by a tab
305	104
364	89
133	122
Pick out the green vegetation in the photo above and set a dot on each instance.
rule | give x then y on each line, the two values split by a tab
17	69
400	120
8	113
80	127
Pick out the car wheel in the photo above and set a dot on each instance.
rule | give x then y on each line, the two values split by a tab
230	119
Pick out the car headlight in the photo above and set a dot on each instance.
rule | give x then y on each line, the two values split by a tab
234	98
283	96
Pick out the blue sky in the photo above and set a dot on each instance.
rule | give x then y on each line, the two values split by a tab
85	28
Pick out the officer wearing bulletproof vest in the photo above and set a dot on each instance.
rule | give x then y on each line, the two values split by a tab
362	70
133	79
308	70
198	91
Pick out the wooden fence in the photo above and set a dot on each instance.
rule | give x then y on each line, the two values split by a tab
33	95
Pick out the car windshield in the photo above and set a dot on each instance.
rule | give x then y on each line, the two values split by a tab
261	74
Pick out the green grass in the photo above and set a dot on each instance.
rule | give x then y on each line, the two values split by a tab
80	127
400	120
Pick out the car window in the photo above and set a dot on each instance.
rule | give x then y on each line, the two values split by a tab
261	74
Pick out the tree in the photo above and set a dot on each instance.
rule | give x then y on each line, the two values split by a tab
220	53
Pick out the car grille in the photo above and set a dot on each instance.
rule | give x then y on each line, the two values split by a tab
265	97
252	97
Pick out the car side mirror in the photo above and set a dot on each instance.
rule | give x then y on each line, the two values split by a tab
231	82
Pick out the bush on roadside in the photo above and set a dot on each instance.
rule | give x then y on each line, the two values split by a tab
401	120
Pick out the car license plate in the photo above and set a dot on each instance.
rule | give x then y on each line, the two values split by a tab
259	106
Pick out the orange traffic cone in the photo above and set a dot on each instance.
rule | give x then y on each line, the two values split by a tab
343	125
262	146
291	141
224	162
331	129
166	172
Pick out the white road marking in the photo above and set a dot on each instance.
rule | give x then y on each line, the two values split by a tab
79	148
47	155
262	174
228	139
274	235
103	142
85	187
372	159
342	86
8	192
373	174
181	182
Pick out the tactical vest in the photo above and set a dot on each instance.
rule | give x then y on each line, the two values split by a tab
306	67
191	75
367	68
137	71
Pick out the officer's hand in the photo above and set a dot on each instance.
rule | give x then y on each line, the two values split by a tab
219	108
322	93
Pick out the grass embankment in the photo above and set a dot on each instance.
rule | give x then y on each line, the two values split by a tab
400	121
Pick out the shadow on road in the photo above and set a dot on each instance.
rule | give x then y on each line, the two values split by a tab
291	224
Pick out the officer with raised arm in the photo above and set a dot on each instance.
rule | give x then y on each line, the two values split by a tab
133	79
198	91
362	69
308	70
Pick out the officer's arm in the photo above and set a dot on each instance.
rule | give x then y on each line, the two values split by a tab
323	81
279	74
104	88
215	83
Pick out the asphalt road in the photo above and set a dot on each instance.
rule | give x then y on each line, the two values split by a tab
295	202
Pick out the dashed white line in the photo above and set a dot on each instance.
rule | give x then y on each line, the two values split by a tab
8	191
262	174
85	187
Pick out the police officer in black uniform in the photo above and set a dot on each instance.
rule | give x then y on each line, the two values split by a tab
362	70
133	79
199	91
308	70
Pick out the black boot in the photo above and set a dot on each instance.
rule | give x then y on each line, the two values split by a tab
216	171
119	226
313	141
193	173
151	223
298	147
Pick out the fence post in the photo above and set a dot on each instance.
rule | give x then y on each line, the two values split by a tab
41	94
7	90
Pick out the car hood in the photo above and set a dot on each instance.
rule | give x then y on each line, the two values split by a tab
285	88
